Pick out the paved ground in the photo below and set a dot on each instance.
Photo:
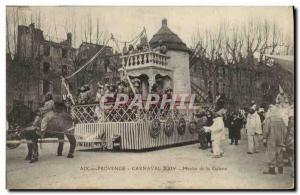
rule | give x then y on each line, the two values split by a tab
178	167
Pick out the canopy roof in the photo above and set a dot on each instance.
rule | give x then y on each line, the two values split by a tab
168	38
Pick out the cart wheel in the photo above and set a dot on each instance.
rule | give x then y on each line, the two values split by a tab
13	136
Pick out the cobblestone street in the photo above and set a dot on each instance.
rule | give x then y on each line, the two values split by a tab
185	167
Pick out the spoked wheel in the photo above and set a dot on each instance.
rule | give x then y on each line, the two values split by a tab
13	136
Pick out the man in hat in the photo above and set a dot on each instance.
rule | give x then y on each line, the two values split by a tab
274	139
202	137
235	124
217	133
254	129
47	111
209	116
253	104
281	98
261	114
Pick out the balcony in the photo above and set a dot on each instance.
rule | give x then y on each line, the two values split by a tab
145	59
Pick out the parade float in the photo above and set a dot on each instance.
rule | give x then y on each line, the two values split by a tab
129	128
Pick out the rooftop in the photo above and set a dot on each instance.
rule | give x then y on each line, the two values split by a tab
168	38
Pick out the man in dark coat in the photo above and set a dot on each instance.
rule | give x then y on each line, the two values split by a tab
235	124
209	117
202	121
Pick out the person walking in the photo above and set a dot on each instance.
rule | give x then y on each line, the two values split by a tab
217	134
254	130
274	139
235	124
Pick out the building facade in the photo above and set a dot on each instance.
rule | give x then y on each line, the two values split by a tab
37	67
240	83
39	64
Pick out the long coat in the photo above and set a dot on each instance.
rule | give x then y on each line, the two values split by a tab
217	129
275	132
235	125
253	124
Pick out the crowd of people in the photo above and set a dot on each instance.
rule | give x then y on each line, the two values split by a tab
111	90
85	95
273	128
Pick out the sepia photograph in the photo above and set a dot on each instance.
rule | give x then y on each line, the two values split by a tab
150	97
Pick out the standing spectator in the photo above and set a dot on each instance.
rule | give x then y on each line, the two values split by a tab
235	125
290	140
100	92
274	139
254	129
253	104
217	134
209	117
281	98
261	114
81	95
202	121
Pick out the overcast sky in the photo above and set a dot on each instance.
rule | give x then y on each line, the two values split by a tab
127	22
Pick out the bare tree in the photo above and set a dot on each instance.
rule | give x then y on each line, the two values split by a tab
233	47
8	45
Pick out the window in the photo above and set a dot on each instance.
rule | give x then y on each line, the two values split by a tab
46	86
64	53
46	50
64	70
46	67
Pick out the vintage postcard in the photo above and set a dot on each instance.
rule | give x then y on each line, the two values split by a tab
101	97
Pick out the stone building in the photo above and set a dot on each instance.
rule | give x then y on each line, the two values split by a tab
39	64
102	69
240	83
37	67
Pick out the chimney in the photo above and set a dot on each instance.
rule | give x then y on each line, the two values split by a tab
164	22
69	39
